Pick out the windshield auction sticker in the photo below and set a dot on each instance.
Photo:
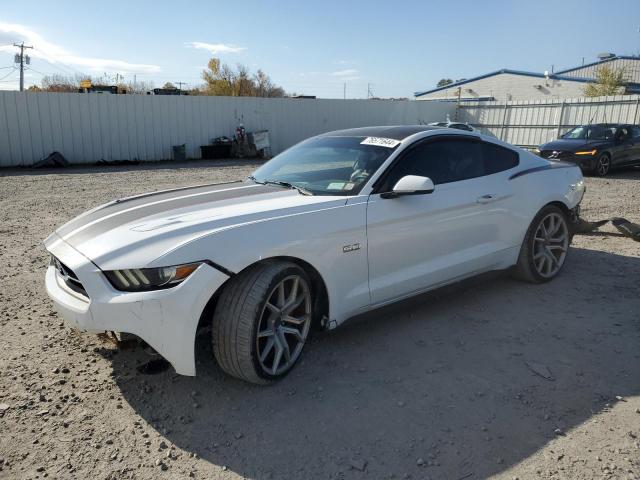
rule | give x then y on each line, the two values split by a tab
381	142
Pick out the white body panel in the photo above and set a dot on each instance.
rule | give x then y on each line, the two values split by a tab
426	240
396	247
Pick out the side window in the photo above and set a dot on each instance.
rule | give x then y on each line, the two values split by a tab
635	131
443	161
623	133
497	158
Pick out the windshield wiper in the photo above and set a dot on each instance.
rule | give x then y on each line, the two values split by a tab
280	183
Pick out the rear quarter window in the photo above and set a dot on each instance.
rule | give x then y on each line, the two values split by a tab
498	159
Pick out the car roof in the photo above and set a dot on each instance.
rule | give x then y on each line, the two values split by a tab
398	132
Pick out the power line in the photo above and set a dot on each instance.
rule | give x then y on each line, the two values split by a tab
14	69
34	70
64	68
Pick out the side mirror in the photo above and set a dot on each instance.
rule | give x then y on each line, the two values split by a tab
410	185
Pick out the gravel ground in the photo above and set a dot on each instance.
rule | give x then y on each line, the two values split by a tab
491	378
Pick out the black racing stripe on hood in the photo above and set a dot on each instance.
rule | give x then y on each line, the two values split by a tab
144	198
116	214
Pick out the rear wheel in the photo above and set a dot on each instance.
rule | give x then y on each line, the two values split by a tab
545	246
603	165
262	321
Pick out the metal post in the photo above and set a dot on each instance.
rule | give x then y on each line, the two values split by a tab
504	119
635	115
21	46
560	119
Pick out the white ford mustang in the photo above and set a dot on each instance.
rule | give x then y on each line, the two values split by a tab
337	225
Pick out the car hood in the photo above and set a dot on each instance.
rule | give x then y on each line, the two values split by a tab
570	145
134	231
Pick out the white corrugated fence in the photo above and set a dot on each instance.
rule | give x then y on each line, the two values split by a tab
87	128
529	123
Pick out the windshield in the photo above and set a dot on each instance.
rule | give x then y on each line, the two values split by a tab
328	165
590	132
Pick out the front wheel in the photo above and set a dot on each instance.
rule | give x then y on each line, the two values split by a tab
603	165
545	246
262	321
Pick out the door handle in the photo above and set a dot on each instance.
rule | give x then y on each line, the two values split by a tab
489	197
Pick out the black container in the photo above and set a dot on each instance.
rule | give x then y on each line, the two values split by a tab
215	152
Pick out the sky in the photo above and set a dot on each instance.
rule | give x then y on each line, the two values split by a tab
389	49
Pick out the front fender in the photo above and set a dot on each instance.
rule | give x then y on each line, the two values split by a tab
318	237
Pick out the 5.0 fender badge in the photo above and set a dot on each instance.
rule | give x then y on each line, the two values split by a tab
351	248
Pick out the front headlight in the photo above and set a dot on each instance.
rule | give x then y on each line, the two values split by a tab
143	279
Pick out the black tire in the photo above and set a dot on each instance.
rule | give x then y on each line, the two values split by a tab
602	166
526	269
239	313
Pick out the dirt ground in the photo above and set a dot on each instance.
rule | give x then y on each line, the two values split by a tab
492	378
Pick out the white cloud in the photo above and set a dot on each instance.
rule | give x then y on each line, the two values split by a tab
55	54
9	86
216	48
349	72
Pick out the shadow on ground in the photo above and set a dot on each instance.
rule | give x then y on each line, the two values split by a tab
625	173
446	377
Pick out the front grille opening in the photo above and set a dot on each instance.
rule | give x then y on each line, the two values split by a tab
549	154
69	277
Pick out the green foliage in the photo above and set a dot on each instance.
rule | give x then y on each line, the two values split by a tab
221	79
609	81
443	82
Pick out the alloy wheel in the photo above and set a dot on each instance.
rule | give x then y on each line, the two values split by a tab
550	245
603	165
284	325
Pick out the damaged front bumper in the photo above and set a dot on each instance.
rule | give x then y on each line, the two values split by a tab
165	319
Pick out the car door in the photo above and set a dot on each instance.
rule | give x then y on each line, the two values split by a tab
417	242
633	156
622	146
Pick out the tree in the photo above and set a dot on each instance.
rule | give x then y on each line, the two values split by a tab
140	87
221	79
264	87
197	91
169	86
609	81
59	83
443	82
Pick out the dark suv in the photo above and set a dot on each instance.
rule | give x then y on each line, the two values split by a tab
597	148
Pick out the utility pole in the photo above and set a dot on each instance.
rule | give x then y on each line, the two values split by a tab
344	91
369	92
21	58
180	85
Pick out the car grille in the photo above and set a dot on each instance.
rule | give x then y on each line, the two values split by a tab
69	277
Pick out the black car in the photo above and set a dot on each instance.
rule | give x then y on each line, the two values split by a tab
597	148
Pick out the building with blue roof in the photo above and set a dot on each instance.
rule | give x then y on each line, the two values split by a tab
507	84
